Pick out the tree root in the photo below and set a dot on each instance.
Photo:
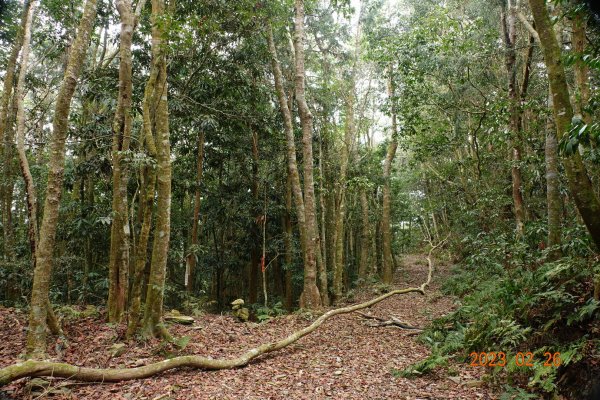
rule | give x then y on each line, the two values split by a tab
33	368
393	322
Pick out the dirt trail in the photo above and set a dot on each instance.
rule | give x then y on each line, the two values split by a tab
343	359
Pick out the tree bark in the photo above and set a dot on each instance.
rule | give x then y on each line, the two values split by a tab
340	220
122	125
294	175
36	336
552	190
146	206
582	71
386	230
310	297
288	245
580	184
11	66
254	231
19	94
191	262
509	31
364	265
156	283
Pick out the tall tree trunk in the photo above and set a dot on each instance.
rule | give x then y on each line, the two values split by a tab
288	245
364	266
36	336
9	75
122	125
580	184
255	250
190	273
146	205
310	297
305	210
552	189
509	31
156	283
340	220
322	250
581	69
30	191
286	112
386	230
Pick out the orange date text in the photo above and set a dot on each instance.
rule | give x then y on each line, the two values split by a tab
521	359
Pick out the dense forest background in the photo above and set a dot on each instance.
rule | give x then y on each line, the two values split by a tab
184	154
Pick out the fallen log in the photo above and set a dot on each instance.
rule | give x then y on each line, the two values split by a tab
32	368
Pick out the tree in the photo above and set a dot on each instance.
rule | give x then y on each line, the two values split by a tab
388	261
580	185
310	297
36	337
157	137
120	231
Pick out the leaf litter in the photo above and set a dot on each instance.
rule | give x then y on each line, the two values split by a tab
343	359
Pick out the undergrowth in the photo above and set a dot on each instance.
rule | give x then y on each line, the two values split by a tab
513	298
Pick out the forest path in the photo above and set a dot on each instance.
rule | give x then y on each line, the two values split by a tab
343	359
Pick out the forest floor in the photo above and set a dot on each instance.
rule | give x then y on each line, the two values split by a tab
343	359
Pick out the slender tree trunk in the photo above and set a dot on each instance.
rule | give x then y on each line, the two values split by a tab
386	230
305	203
580	184
9	75
552	189
350	134
30	191
284	105
190	273
288	245
581	69
156	283
36	336
364	266
508	18
122	125
310	297
322	250
146	205
255	250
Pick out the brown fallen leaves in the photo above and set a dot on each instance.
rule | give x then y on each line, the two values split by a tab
343	359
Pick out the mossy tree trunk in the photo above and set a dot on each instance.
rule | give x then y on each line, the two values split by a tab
386	230
310	297
36	336
30	191
509	35
153	310
122	125
580	184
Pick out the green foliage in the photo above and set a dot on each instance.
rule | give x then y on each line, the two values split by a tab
422	367
266	313
512	299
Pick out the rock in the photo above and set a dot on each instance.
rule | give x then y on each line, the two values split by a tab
237	304
338	372
242	314
179	319
117	349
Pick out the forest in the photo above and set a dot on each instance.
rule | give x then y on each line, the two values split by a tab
299	199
